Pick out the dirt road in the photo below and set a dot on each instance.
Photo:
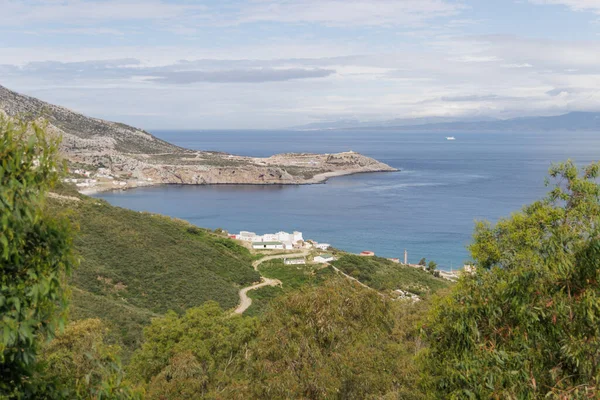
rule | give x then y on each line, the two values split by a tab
246	301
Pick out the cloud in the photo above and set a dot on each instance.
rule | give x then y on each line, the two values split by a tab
523	65
349	12
186	15
575	5
80	12
477	59
473	97
183	72
242	75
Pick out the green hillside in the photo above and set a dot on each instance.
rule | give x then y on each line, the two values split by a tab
383	274
292	277
138	265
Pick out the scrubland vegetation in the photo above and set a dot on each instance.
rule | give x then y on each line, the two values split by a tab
138	265
292	278
383	274
524	325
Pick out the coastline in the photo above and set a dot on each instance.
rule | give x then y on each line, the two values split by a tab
315	180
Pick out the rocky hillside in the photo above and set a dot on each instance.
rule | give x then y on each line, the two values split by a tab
104	155
81	132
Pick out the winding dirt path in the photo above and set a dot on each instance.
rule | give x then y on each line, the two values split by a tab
246	301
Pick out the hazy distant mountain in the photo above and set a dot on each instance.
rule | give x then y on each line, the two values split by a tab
573	121
355	123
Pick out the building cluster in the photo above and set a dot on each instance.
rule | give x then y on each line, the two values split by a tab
272	241
81	182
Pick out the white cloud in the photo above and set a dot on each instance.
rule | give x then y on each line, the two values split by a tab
576	5
477	59
185	16
304	73
349	12
523	65
499	76
79	12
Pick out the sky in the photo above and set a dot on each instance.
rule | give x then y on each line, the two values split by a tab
268	64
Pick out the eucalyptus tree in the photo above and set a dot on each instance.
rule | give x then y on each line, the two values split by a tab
525	324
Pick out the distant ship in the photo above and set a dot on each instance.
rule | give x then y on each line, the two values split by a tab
450	138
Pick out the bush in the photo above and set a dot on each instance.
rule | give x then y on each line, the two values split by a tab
35	253
83	366
337	340
525	324
192	355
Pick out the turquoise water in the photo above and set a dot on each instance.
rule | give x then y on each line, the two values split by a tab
427	208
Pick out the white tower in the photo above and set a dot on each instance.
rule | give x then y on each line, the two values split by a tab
405	256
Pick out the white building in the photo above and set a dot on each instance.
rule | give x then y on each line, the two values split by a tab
294	261
289	240
324	258
248	236
267	246
323	246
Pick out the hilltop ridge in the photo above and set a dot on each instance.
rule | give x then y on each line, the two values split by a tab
110	155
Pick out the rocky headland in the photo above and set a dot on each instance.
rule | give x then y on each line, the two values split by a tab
104	155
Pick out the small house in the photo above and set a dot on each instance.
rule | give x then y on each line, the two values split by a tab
367	253
294	261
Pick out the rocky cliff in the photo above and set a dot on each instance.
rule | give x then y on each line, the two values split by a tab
104	155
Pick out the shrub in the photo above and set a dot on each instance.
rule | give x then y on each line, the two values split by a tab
525	324
35	253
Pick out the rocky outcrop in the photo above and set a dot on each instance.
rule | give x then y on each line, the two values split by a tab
113	155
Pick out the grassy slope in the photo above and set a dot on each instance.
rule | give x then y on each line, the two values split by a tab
137	265
292	277
383	274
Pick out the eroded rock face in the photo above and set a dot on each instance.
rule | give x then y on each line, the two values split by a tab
128	157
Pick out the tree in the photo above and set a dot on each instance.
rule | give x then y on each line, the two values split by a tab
525	323
81	365
431	267
35	253
338	340
194	355
423	261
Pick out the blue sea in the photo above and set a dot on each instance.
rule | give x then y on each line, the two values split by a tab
427	208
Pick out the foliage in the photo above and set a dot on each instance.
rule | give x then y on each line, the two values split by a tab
383	274
431	266
423	261
292	277
138	265
82	365
124	321
195	355
262	299
336	340
154	262
35	252
525	324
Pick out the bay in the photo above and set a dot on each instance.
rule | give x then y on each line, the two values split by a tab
428	207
